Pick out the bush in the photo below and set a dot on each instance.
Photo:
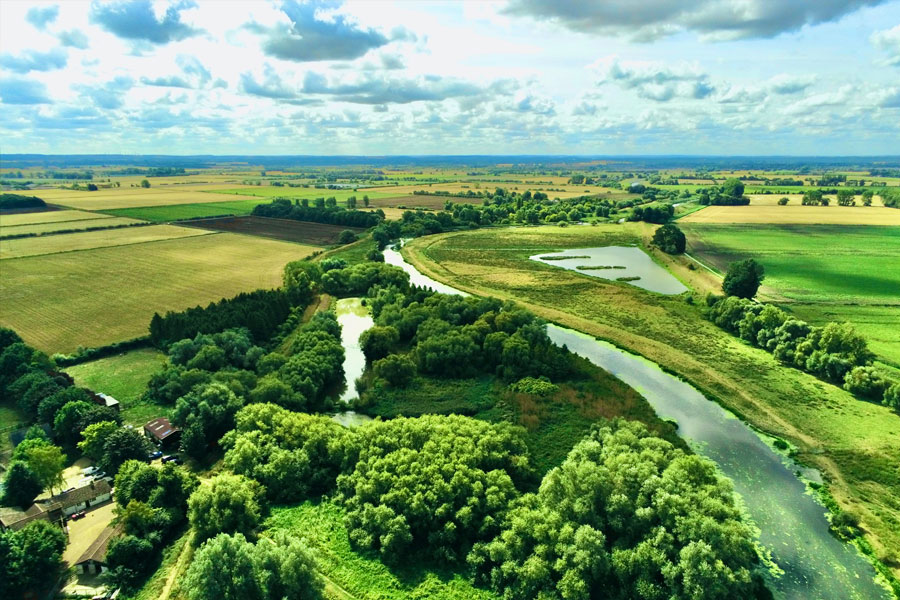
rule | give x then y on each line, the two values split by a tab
670	239
743	278
865	382
226	504
397	370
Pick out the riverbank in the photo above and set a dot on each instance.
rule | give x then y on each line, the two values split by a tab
853	443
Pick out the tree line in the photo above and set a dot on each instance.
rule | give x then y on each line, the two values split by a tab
283	208
11	201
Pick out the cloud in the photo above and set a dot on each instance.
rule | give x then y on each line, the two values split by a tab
136	20
891	99
712	19
108	95
888	41
654	81
398	91
31	60
23	91
41	17
73	39
312	39
273	87
790	84
194	69
585	108
71	117
169	81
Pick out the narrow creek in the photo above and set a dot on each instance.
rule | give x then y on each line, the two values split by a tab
354	319
794	531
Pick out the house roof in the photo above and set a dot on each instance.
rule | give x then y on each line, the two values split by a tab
14	518
80	495
107	399
161	428
97	550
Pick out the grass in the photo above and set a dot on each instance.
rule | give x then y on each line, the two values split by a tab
853	442
177	212
348	574
170	566
820	272
52	216
96	297
89	240
125	378
68	226
795	214
106	199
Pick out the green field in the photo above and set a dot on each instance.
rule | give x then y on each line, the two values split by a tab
178	212
820	272
853	442
348	574
271	192
124	377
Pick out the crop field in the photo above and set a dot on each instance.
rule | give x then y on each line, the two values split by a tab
124	377
106	199
348	574
795	214
70	242
846	272
179	212
96	297
421	201
795	199
315	234
80	224
853	442
49	216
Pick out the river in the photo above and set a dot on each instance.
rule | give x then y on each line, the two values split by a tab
354	319
793	527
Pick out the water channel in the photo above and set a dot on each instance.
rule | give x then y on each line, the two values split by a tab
354	319
793	528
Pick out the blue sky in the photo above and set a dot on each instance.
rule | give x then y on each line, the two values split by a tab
513	77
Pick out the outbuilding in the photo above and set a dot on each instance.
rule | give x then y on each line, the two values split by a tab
163	433
93	560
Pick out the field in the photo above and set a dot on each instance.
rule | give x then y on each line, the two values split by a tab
179	212
106	199
795	214
124	377
422	201
95	297
853	442
56	244
839	268
80	224
316	234
49	216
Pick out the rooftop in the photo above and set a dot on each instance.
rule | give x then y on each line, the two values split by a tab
97	550
160	428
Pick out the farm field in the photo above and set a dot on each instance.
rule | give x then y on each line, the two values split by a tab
839	267
795	214
178	212
124	377
421	201
48	216
106	199
795	199
55	244
826	423
303	232
99	296
80	224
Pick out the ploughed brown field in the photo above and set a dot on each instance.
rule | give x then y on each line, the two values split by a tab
303	232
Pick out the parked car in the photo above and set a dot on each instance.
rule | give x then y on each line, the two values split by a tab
79	515
99	475
173	458
154	455
89	470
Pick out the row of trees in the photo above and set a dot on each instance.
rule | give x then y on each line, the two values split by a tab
11	201
835	352
283	208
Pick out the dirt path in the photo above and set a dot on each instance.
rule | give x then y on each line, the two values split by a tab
187	552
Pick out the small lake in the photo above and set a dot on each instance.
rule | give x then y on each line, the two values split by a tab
793	527
354	319
628	264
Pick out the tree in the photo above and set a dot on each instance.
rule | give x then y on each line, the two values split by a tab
50	405
346	237
206	413
94	436
226	504
66	423
128	557
783	201
376	342
670	239
846	198
743	278
145	183
733	188
21	485
48	463
395	369
30	558
120	445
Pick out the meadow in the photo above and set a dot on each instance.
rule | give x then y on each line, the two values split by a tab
72	242
94	297
853	442
111	198
303	232
103	221
796	214
180	212
124	377
45	217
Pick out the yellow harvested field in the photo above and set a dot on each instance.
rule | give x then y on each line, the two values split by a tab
69	242
795	199
552	190
47	216
96	297
106	199
800	215
40	228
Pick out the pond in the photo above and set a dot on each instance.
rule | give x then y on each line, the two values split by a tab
793	527
616	263
354	319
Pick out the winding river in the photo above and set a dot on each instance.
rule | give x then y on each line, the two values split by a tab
811	564
354	319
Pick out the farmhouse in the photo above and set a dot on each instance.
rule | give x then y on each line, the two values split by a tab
93	560
15	519
68	503
162	432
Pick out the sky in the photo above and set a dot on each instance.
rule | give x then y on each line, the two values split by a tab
701	77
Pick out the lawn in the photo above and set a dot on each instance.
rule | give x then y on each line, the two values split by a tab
853	442
95	297
348	574
70	242
124	377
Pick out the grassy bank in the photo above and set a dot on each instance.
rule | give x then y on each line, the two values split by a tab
853	442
